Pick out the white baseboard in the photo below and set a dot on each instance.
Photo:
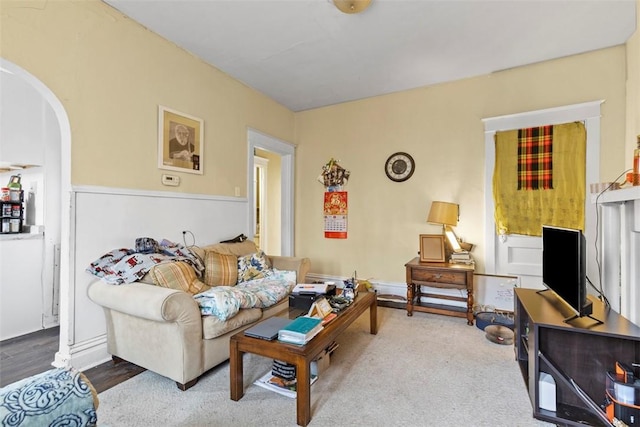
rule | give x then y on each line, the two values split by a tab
84	355
50	321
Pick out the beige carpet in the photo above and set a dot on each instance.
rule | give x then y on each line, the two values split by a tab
425	370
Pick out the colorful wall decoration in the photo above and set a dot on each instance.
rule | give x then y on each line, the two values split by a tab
334	177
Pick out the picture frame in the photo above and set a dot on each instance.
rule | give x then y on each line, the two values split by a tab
180	141
432	248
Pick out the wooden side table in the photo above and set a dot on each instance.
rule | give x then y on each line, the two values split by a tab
439	275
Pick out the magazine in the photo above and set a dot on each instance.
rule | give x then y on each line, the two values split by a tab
277	384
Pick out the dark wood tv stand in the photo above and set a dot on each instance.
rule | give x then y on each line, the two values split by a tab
578	353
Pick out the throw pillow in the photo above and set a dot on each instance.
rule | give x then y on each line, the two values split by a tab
239	249
253	266
177	275
220	269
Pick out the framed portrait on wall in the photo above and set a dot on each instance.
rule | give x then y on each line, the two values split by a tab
180	141
432	248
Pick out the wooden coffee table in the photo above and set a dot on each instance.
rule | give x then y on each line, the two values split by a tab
300	356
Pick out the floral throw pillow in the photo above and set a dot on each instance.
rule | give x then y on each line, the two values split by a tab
253	266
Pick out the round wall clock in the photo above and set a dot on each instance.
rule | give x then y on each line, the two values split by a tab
399	167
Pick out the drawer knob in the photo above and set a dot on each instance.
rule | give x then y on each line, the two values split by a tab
438	276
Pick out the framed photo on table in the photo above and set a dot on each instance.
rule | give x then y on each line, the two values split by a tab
180	141
432	248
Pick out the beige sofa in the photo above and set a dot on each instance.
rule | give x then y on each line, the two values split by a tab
162	329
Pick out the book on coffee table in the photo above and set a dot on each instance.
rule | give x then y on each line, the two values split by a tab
286	388
300	330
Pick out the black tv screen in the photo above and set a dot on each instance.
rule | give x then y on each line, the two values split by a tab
564	260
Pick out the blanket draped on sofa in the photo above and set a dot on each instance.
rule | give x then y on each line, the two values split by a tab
224	302
121	266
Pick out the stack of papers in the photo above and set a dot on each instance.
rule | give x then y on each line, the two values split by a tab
300	330
274	383
317	288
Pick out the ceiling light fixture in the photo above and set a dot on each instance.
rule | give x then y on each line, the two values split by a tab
352	6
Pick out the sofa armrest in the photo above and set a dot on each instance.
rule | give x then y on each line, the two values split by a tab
146	301
140	318
300	265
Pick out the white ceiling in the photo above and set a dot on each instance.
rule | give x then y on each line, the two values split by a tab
307	54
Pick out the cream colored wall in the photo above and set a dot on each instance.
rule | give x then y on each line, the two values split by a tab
633	91
111	74
440	126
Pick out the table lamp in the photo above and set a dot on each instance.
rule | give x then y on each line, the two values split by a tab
447	214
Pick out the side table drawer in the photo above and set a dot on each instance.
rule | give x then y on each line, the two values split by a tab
445	277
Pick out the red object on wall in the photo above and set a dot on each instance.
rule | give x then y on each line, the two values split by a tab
335	214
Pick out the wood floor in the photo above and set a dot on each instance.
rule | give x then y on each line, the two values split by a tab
31	354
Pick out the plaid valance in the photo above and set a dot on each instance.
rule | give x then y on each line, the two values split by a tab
535	158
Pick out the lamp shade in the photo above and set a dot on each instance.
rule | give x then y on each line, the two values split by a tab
443	213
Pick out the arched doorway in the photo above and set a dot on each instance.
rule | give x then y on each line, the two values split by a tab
57	219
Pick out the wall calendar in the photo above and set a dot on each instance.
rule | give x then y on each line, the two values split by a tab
335	214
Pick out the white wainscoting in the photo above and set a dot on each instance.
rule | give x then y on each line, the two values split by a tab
106	218
619	256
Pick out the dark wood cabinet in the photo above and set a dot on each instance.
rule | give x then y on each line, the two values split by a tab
577	354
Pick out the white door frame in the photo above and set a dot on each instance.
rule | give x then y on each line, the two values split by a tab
589	113
257	139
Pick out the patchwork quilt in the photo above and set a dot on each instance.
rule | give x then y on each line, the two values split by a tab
224	302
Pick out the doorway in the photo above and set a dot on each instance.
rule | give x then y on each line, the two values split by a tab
519	255
57	205
279	216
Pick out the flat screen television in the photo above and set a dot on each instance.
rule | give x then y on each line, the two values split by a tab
564	267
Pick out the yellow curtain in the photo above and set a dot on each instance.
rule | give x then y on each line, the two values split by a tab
525	211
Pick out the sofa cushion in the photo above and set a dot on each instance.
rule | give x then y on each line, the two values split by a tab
253	266
177	275
220	269
213	327
237	249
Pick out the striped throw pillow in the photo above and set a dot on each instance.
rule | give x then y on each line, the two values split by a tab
177	275
220	269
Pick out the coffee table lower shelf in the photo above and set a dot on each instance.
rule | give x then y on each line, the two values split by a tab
300	356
